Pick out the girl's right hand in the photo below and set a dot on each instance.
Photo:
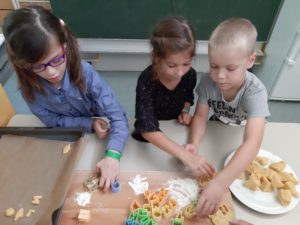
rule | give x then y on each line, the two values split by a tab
101	128
184	119
198	165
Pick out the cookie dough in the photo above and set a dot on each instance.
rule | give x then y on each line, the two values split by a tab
9	212
36	199
66	149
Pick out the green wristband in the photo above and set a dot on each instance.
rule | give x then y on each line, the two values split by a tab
114	155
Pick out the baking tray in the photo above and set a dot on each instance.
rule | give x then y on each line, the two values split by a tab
69	135
59	134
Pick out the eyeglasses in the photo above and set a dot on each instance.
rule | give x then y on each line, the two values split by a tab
56	61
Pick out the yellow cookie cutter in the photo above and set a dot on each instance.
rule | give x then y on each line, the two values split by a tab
167	211
156	214
189	211
172	203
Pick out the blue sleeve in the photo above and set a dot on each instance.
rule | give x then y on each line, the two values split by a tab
110	108
52	119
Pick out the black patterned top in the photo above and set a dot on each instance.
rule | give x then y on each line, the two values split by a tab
156	102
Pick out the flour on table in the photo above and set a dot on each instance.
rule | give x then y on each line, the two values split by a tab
83	198
139	184
183	191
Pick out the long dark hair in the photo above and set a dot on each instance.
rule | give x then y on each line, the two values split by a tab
27	33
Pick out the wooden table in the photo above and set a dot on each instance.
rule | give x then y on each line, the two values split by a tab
283	139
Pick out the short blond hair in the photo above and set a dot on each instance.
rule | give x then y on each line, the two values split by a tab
234	33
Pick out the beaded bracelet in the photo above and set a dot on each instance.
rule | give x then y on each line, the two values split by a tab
185	110
113	154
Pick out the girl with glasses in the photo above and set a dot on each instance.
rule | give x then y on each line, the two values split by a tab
60	88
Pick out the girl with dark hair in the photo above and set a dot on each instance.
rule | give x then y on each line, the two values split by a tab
165	89
60	88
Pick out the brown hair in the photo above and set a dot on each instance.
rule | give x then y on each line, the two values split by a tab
27	32
172	35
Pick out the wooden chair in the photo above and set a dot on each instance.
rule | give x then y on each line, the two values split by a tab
7	111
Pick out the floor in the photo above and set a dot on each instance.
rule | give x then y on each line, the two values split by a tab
123	84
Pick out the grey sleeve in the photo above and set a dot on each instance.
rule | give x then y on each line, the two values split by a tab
256	103
202	89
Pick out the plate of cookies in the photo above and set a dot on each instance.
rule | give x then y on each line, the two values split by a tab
268	185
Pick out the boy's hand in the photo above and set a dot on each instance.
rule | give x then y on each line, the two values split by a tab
239	222
109	169
184	118
100	127
210	197
198	165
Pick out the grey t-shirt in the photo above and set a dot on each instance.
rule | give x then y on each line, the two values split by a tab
250	101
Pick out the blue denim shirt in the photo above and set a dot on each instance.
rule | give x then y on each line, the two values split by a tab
70	107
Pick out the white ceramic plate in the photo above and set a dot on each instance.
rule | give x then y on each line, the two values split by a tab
264	202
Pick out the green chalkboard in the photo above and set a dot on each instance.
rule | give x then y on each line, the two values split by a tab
134	19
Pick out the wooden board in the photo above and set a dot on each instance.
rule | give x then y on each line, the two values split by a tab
113	208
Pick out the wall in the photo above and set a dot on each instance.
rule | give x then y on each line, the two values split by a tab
276	50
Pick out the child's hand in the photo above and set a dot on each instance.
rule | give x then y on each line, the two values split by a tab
191	148
109	169
239	222
198	165
100	127
184	118
210	197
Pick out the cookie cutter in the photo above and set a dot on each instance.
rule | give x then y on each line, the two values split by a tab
115	186
134	206
156	214
129	222
167	211
133	216
189	211
177	221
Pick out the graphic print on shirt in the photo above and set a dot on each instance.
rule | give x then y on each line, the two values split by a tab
226	113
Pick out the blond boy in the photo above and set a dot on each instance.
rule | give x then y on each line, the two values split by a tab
235	96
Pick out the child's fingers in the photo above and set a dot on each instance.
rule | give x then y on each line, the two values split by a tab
233	223
102	128
201	207
207	209
180	120
107	185
101	182
239	222
103	124
188	120
100	131
202	171
213	209
209	169
103	133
